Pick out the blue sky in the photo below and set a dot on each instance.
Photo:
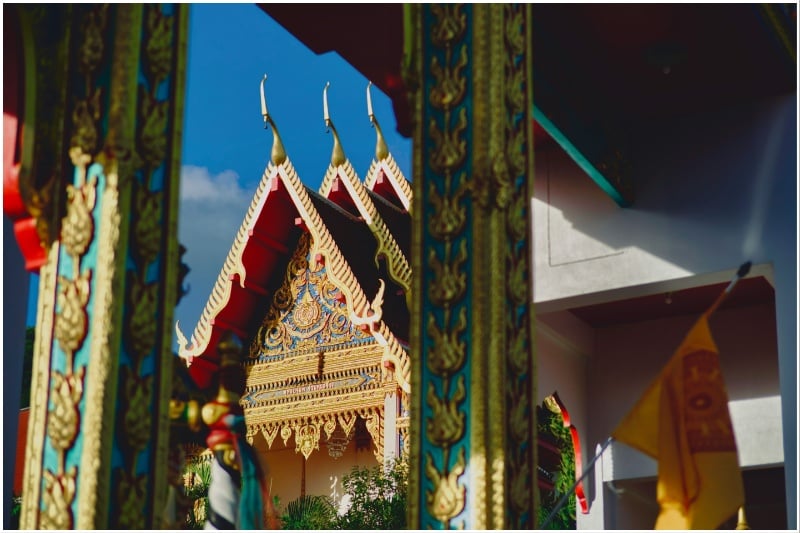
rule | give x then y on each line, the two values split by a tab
225	146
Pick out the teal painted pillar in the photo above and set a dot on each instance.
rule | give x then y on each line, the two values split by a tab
473	380
98	431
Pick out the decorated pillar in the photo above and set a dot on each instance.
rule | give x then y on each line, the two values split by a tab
98	429
473	380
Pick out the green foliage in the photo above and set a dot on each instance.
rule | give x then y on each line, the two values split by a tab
552	425
378	497
309	512
16	510
198	479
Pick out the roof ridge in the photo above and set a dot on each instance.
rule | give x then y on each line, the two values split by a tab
397	264
397	179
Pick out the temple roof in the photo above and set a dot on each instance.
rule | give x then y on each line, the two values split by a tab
347	236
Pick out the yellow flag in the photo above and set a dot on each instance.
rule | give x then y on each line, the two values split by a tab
682	420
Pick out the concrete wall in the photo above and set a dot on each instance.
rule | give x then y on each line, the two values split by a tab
712	191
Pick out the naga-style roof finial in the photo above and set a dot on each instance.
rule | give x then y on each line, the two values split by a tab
381	150
337	156
278	154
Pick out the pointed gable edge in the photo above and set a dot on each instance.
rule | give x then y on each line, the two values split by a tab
397	263
360	309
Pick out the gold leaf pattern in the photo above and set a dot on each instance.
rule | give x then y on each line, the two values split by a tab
446	426
347	421
78	225
72	318
450	82
59	492
447	353
269	434
90	53
153	120
451	23
64	419
448	213
85	115
306	439
448	498
147	231
286	432
136	415
141	326
131	496
449	146
158	48
449	280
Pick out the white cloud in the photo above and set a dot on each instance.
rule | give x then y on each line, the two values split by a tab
212	208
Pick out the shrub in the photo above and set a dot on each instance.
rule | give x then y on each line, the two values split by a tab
377	496
309	512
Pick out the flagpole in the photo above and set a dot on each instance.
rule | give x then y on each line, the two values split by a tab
740	273
571	490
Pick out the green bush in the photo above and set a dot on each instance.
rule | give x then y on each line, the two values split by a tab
551	424
378	497
309	512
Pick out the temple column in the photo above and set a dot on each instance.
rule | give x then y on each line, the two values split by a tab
473	381
98	429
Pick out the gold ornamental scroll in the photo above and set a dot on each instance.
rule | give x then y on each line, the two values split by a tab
473	377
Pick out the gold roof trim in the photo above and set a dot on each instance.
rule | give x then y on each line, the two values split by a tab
360	310
221	292
396	262
399	183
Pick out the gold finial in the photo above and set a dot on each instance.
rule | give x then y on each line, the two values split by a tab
278	155
742	522
337	156
381	150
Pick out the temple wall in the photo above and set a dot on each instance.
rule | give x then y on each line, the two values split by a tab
285	469
712	191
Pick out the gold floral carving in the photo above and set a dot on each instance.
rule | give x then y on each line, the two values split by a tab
445	424
136	414
448	498
148	228
514	190
374	422
64	419
448	352
158	48
449	214
449	279
72	317
131	497
347	422
329	427
269	435
306	439
451	22
152	141
141	326
286	433
59	491
78	226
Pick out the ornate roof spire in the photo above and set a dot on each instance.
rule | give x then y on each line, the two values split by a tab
381	150
278	154
337	156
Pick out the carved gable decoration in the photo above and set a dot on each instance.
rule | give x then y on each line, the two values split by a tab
308	313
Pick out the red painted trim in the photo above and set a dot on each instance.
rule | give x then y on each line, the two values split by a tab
13	100
576	445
